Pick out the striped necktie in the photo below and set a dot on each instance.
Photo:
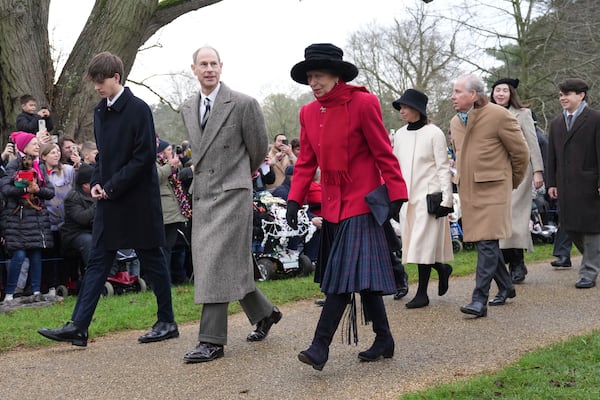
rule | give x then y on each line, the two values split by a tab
206	112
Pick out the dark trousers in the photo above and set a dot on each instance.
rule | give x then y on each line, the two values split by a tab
177	272
562	244
98	269
489	263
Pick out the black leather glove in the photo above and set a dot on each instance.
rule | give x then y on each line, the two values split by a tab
395	209
443	211
291	216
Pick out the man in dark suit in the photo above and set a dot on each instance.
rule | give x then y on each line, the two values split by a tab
228	134
124	178
573	171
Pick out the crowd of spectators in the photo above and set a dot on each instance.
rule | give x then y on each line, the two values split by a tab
47	210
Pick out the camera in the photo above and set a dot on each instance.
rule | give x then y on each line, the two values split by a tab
41	125
178	150
285	141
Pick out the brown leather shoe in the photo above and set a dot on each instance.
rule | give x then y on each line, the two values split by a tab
264	326
204	352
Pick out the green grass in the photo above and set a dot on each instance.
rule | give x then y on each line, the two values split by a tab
569	370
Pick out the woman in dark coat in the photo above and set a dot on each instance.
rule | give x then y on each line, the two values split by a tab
342	132
26	229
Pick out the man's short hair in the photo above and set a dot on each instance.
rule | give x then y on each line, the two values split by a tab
295	143
573	85
26	98
104	66
88	145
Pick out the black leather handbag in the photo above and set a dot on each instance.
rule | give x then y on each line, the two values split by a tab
434	200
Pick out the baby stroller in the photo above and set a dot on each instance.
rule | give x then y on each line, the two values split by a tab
540	232
125	275
456	231
275	255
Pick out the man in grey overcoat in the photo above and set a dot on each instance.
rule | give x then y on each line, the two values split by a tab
574	175
229	141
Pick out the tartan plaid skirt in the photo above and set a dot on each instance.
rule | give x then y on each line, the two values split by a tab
356	257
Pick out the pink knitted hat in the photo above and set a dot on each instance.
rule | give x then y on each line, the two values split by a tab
21	139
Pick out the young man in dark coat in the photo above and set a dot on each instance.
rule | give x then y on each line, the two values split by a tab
573	175
128	212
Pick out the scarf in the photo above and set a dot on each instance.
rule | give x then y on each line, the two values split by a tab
184	204
335	133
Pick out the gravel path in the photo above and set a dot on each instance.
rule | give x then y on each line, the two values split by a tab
433	345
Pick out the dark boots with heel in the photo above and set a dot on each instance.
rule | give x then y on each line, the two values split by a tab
421	299
383	346
318	352
444	271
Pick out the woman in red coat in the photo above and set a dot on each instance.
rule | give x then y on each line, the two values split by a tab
342	132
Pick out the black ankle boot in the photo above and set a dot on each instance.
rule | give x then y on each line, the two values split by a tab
331	314
419	301
444	271
383	346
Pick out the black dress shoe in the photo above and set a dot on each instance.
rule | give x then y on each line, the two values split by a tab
585	283
160	331
401	287
264	325
475	308
204	352
68	333
518	273
320	302
562	262
501	297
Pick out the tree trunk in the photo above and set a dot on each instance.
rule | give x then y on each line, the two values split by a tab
25	62
120	27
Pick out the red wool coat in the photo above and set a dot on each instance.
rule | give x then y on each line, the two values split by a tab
369	153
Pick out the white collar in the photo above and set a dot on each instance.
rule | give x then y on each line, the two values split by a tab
114	99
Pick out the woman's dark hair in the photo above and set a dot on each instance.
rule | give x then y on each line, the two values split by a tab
514	100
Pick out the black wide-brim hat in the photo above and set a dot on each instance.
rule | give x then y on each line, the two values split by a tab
414	99
323	56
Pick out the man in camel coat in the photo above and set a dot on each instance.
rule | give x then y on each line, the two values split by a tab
492	158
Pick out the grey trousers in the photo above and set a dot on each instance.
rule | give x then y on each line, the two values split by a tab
213	322
489	263
562	244
588	245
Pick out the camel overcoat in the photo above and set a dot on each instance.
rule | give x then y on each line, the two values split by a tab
423	157
521	197
491	160
574	169
232	145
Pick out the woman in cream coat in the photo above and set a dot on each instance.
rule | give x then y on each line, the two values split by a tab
422	151
504	94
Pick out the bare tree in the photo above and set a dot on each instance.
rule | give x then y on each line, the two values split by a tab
26	65
416	52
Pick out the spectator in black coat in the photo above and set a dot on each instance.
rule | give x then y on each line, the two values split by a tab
80	208
26	222
28	120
